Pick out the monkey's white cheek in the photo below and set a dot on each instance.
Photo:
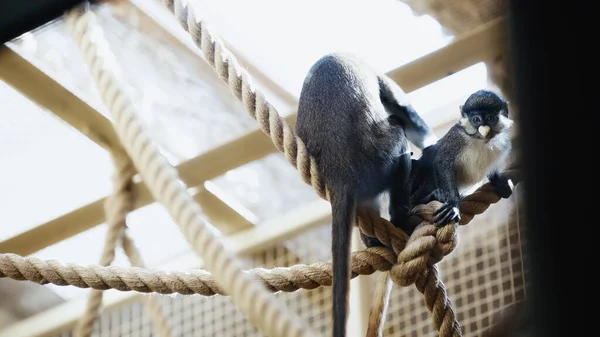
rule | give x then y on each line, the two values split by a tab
484	130
505	122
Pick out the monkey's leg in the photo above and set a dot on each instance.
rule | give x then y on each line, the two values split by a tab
375	206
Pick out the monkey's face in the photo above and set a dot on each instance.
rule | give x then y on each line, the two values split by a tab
485	124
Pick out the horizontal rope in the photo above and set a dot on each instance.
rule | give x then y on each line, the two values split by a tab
200	282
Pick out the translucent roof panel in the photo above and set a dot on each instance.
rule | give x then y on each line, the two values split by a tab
48	168
185	106
284	38
267	187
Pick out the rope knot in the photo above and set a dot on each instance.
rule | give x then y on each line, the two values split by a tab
427	245
372	225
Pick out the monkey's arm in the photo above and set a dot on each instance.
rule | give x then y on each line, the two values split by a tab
396	101
435	179
447	192
502	184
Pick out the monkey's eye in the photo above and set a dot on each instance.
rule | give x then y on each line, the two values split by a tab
476	119
491	119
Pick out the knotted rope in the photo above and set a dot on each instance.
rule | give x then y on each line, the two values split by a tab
162	179
289	279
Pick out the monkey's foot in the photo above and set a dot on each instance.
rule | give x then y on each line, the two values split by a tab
446	214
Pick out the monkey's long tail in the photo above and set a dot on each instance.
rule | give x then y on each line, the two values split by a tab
342	210
381	299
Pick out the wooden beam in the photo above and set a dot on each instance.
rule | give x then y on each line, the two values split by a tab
92	214
484	43
221	215
463	52
29	78
20	73
246	242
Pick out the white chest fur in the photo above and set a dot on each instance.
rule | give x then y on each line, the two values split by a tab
478	158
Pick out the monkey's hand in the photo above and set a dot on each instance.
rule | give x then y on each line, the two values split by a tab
502	185
447	213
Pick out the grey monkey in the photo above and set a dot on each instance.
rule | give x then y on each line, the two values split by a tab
470	151
356	124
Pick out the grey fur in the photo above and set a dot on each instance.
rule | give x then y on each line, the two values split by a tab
460	159
353	121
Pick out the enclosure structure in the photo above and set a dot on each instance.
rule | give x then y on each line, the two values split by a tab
483	275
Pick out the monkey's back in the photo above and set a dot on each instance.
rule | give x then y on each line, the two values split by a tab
344	125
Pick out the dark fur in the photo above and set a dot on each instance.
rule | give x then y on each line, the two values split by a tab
353	122
460	159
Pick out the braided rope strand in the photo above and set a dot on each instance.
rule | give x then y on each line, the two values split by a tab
163	181
364	262
438	303
144	280
117	206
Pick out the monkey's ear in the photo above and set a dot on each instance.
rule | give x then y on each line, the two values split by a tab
460	107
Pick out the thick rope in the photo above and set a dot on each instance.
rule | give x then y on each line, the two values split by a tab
117	206
290	279
228	69
199	282
161	178
428	244
438	303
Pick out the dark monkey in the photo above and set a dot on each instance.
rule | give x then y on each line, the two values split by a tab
356	124
471	150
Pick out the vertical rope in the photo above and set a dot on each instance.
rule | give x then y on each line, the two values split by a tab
162	179
438	303
116	207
